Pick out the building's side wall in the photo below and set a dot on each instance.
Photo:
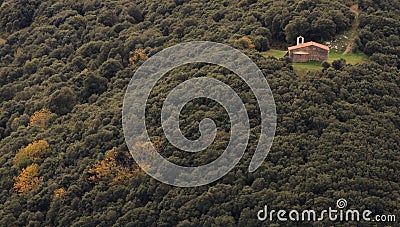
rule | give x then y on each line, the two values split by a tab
300	58
315	54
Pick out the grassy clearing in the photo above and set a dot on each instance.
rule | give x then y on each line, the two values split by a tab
340	42
351	58
275	53
304	67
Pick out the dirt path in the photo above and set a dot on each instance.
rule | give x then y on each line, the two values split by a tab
354	28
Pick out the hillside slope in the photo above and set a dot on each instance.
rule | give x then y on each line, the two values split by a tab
64	68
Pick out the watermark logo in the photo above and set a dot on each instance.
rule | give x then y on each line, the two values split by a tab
331	214
145	78
341	203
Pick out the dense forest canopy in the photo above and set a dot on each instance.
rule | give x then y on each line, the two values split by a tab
64	68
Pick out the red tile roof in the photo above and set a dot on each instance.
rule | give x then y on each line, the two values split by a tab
309	44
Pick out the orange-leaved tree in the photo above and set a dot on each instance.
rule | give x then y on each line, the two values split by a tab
246	42
109	170
33	153
28	179
136	56
119	168
41	118
104	169
59	194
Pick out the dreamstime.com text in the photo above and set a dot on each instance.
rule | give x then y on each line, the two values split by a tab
341	214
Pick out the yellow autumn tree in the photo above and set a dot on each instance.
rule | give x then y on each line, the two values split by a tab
246	42
108	170
28	180
136	56
41	118
104	169
59	194
33	153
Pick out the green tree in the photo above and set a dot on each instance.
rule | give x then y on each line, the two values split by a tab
323	28
339	64
62	101
299	26
93	84
109	68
